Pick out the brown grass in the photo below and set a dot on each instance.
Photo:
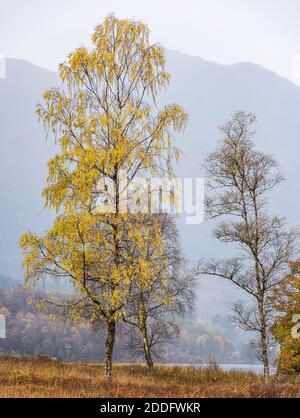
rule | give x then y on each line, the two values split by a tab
40	377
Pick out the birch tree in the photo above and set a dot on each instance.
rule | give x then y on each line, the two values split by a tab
166	295
107	127
240	179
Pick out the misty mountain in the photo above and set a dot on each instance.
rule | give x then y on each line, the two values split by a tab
23	158
208	91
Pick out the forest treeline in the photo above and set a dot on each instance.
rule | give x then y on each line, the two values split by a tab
31	332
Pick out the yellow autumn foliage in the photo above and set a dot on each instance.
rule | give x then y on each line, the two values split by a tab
106	123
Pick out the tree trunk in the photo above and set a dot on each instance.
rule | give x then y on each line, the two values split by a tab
147	352
144	332
265	356
264	341
109	347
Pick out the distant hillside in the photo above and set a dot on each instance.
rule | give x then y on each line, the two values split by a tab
210	93
6	283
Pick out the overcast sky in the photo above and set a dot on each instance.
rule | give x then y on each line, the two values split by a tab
266	32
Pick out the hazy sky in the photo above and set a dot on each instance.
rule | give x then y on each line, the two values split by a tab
266	32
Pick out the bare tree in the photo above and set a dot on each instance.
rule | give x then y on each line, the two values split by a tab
240	178
154	309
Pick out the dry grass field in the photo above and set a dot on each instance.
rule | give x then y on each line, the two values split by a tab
38	377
